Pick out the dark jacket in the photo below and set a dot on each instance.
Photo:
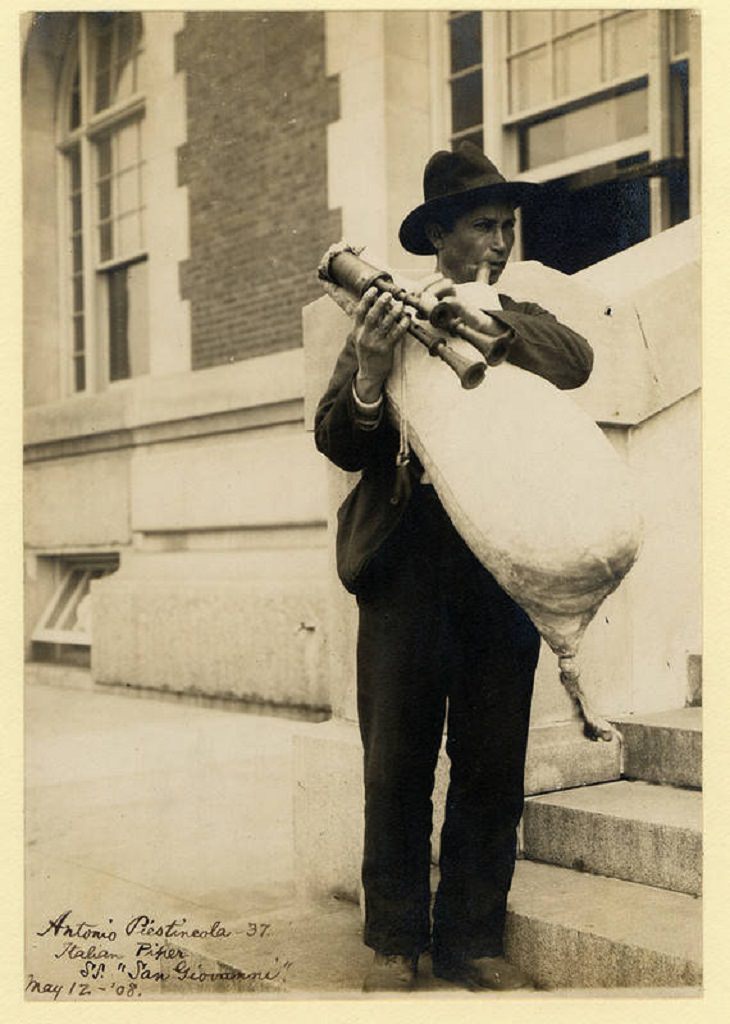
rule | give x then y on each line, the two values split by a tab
368	515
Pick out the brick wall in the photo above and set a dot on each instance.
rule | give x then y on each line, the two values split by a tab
255	164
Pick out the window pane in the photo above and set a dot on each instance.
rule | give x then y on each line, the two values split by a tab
76	213
127	144
600	124
103	35
528	27
72	608
124	85
60	613
576	63
78	294
626	44
128	191
79	374
529	80
466	41
125	298
466	101
565	21
118	324
104	157
102	92
74	159
102	41
678	194
680	32
79	343
105	200
578	228
106	250
124	25
139	357
129	34
128	235
74	118
77	248
679	105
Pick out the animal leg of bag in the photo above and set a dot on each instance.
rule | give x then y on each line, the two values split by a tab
595	726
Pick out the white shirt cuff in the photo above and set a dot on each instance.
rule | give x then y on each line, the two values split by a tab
367	407
367	414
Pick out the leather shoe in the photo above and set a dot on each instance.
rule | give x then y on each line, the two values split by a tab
391	973
475	973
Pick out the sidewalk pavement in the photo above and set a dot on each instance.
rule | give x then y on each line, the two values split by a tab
176	816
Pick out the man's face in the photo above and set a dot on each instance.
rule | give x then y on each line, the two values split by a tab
482	237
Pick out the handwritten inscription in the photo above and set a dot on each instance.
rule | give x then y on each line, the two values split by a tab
74	952
141	924
44	988
144	925
109	958
61	926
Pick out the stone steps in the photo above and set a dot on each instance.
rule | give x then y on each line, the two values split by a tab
664	747
629	830
606	896
574	930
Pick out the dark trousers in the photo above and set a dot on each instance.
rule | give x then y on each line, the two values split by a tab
437	631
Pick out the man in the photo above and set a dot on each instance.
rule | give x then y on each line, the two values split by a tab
436	631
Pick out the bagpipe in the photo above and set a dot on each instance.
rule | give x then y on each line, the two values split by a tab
528	479
344	267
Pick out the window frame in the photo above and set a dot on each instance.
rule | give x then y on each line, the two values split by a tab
501	129
86	135
583	97
89	567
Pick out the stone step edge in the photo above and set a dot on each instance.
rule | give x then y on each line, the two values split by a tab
684	719
607	844
672	875
569	931
627	815
674	737
615	891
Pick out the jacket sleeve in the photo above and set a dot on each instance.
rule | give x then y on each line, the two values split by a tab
340	432
545	346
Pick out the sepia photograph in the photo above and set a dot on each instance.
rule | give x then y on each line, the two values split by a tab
362	505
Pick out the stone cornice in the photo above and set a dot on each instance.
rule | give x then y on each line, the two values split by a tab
262	392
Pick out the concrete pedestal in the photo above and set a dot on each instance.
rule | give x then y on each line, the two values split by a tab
328	801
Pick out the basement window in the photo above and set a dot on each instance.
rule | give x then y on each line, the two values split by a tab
63	632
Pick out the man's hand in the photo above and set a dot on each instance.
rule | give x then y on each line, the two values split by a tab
445	291
379	326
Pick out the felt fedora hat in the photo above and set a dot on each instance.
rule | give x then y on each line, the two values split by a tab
454	181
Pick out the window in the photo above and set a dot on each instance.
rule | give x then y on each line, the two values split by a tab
465	77
679	119
102	147
556	55
589	217
679	34
579	99
63	632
